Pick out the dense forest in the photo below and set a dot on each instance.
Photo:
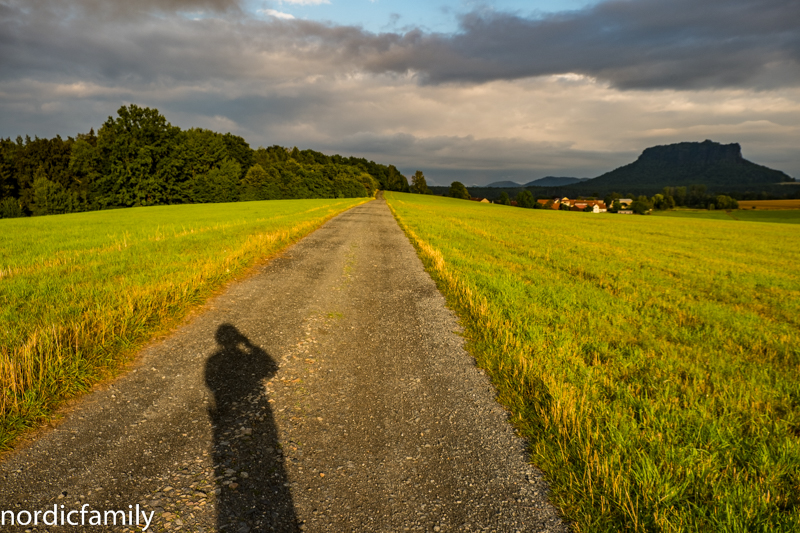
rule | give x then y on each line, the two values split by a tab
140	159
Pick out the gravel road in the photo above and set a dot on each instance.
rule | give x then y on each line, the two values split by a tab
329	391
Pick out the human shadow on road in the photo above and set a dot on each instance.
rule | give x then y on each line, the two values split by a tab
252	484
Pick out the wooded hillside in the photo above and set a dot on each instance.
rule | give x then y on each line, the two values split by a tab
720	167
139	159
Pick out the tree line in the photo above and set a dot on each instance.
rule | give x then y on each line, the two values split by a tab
140	159
694	196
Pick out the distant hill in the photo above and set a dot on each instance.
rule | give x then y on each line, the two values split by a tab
720	167
552	181
504	184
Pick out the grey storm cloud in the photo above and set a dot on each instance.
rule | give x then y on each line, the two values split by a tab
126	8
681	44
644	44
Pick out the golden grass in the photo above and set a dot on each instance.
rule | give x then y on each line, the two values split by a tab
79	293
652	363
769	204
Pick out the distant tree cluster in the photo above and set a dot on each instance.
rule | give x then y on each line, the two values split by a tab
139	159
694	196
669	198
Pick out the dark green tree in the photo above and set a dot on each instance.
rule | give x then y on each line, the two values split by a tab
203	153
662	202
256	185
48	197
525	199
49	157
504	199
725	202
418	184
10	208
86	165
220	184
395	181
641	205
458	190
236	148
141	156
8	182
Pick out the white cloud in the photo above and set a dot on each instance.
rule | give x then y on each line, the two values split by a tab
276	14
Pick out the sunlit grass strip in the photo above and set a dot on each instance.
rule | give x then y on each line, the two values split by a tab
78	293
652	363
781	216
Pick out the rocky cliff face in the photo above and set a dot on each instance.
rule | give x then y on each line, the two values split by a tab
720	167
704	153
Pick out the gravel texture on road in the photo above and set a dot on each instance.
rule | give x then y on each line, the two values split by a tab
328	391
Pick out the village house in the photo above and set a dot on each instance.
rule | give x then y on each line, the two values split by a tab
593	206
597	206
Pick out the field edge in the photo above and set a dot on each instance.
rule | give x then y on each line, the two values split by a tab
21	429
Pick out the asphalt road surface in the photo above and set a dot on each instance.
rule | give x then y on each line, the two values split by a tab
329	391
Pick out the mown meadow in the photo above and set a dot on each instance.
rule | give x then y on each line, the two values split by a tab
80	292
653	363
781	216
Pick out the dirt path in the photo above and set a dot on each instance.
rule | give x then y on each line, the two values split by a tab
328	392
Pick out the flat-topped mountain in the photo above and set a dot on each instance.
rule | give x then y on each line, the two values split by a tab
692	153
720	167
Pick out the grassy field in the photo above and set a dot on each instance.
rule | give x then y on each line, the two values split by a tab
781	216
78	293
769	204
652	362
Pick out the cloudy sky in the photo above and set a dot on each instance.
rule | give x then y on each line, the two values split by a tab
477	91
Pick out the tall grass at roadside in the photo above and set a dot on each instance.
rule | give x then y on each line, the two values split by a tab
653	363
79	292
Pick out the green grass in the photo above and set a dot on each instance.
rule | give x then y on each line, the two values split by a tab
782	216
651	362
79	293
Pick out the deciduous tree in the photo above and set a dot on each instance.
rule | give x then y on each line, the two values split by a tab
418	184
458	190
525	199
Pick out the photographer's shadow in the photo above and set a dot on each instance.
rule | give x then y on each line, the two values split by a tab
253	493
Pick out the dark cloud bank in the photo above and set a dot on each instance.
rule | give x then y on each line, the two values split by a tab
682	44
200	48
